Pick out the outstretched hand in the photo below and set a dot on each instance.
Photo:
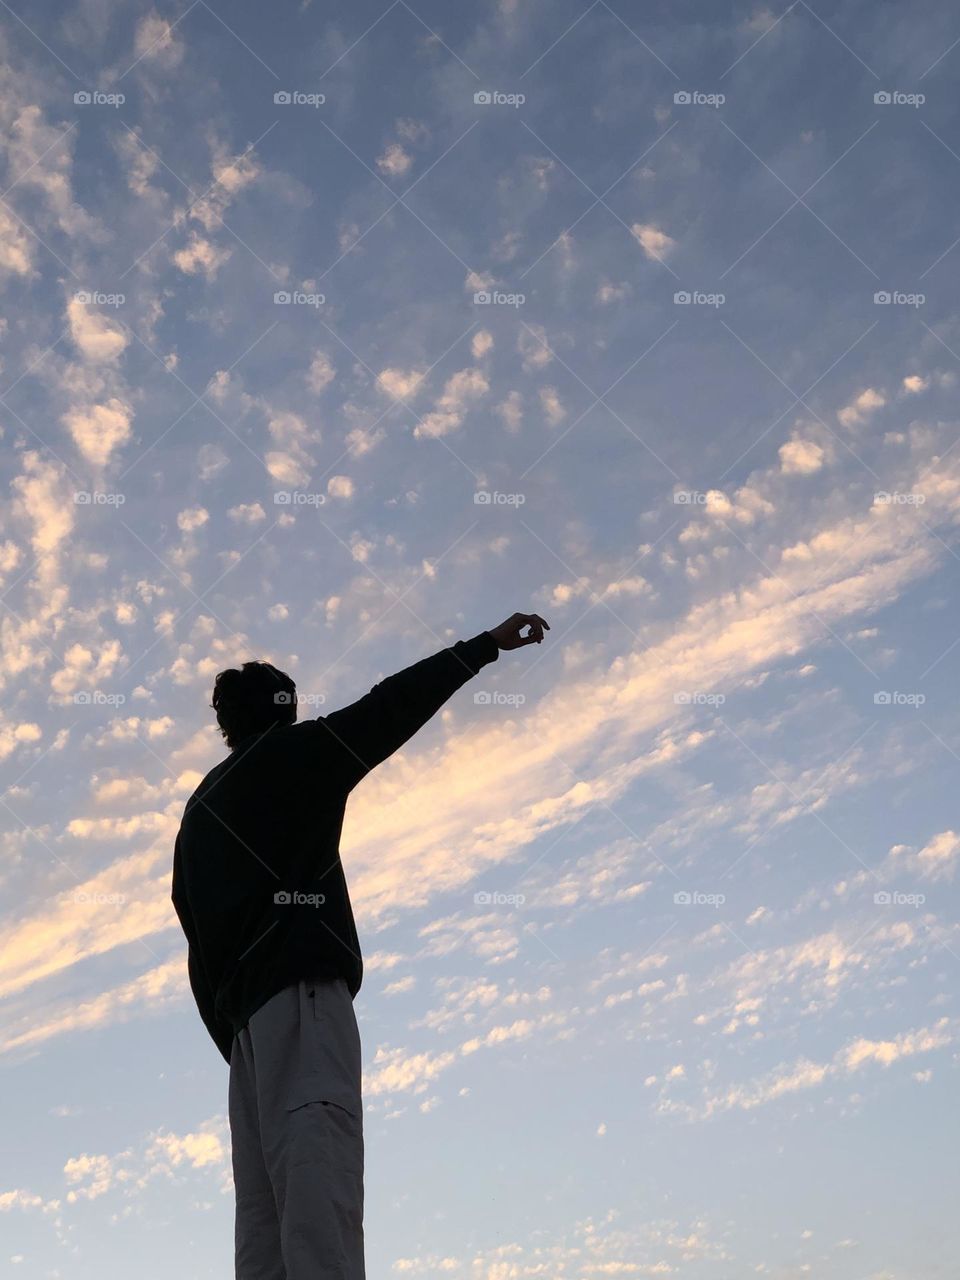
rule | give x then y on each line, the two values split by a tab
508	636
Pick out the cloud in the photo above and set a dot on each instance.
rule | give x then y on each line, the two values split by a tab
16	247
97	337
291	463
861	407
398	383
42	500
321	373
99	430
913	384
801	458
481	344
156	40
340	487
247	513
656	244
510	411
192	519
200	257
551	405
394	161
459	393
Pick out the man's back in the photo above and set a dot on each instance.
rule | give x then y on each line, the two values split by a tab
257	883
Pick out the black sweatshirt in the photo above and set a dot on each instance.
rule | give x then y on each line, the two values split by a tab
258	884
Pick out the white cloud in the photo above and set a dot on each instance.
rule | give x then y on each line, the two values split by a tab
97	337
655	243
398	383
552	407
459	393
321	373
861	407
192	518
481	344
800	458
100	429
247	513
510	411
200	257
394	161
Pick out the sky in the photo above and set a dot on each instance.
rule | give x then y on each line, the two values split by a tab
334	334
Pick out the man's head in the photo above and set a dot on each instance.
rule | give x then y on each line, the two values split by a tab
252	700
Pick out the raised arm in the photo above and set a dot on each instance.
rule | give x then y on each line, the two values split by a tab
372	728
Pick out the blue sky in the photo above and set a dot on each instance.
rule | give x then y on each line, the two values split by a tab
660	341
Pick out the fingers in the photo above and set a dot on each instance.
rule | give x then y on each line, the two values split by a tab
536	625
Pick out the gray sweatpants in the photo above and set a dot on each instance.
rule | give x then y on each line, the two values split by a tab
296	1125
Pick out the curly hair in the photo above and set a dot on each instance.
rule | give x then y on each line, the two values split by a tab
253	699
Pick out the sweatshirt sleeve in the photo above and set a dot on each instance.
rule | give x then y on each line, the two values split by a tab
368	731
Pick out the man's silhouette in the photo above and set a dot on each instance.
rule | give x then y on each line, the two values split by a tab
274	960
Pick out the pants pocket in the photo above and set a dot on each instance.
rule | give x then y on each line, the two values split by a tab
325	1131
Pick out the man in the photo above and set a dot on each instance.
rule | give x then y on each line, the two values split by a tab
274	960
